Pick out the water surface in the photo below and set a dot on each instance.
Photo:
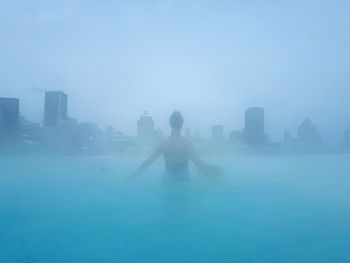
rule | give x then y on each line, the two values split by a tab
81	209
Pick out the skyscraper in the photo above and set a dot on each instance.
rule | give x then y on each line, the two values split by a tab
308	132
254	131
217	133
145	130
9	108
55	109
9	116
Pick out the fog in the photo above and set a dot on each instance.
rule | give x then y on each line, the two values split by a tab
209	59
254	94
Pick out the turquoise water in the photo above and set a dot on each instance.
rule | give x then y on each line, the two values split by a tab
66	209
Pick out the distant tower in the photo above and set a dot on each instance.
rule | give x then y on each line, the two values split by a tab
217	133
9	108
308	133
9	117
55	109
145	130
254	132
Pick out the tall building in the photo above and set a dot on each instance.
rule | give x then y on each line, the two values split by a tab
217	133
9	118
55	109
308	132
9	112
254	131
145	130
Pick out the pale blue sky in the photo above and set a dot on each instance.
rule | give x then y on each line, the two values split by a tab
209	59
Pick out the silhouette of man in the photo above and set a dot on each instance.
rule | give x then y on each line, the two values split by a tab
177	151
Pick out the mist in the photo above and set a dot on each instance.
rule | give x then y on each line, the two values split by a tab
174	131
209	59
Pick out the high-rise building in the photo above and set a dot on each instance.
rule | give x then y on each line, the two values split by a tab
9	111
308	132
217	133
55	109
9	117
254	131
145	130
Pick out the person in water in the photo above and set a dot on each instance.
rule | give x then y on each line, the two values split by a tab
177	151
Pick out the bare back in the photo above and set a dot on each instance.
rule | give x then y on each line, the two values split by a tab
176	150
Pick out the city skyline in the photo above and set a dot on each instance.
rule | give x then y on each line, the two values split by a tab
55	114
118	59
174	131
330	133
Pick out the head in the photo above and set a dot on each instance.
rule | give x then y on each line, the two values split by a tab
176	121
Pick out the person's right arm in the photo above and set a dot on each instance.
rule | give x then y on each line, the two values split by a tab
154	155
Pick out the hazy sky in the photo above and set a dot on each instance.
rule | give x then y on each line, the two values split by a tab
210	59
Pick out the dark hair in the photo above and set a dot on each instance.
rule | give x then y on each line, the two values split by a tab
176	120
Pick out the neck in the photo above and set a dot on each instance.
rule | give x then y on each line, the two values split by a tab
175	132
